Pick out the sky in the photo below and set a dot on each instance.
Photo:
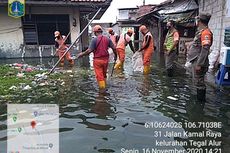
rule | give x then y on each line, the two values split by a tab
112	12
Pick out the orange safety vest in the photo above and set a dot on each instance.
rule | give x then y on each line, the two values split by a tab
123	41
102	45
114	39
151	44
62	46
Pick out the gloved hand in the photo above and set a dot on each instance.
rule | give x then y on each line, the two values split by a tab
79	55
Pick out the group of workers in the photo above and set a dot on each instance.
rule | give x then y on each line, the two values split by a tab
100	45
197	54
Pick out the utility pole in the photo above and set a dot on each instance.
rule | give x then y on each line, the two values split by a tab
143	2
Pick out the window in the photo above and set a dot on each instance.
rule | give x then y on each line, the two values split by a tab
39	29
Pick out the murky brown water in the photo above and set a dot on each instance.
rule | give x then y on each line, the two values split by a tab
91	122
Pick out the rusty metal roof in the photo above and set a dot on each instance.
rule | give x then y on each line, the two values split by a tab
145	9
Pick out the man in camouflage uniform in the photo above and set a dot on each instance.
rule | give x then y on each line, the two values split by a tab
198	54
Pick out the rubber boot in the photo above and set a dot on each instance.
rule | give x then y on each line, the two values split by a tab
101	84
146	70
201	95
118	66
170	72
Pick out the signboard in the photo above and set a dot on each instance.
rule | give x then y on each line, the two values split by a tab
16	8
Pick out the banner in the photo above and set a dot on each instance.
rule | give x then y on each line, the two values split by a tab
16	8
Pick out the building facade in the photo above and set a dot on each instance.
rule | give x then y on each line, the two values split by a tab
32	35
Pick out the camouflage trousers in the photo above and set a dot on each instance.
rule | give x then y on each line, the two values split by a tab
198	77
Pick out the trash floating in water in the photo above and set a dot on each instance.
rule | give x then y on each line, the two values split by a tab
63	83
20	75
42	76
69	71
26	88
29	69
17	65
13	88
172	98
177	96
33	83
43	84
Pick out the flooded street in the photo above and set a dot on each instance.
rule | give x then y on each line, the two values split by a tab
91	122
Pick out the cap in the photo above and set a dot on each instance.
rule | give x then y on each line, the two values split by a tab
143	28
130	31
204	16
97	28
56	33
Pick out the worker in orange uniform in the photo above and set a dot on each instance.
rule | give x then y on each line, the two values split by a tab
99	46
147	48
61	47
198	53
124	40
171	46
113	36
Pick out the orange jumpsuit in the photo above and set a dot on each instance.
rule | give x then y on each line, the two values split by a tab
147	53
100	47
121	45
114	39
62	47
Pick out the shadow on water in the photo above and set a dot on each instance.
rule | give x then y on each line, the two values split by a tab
91	122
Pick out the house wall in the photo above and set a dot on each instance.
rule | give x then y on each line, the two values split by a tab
219	21
73	13
11	43
116	28
154	29
11	35
104	26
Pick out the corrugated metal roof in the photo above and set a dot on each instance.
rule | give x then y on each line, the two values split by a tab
145	9
178	6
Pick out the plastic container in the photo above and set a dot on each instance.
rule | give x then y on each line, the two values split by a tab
227	37
225	56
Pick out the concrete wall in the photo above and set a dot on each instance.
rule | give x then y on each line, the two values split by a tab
11	35
104	26
11	41
73	13
116	28
219	20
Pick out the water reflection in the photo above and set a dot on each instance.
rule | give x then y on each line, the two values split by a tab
91	122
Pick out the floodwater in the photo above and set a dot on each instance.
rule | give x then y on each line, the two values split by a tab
91	122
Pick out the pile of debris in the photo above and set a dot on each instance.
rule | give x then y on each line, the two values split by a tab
23	80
